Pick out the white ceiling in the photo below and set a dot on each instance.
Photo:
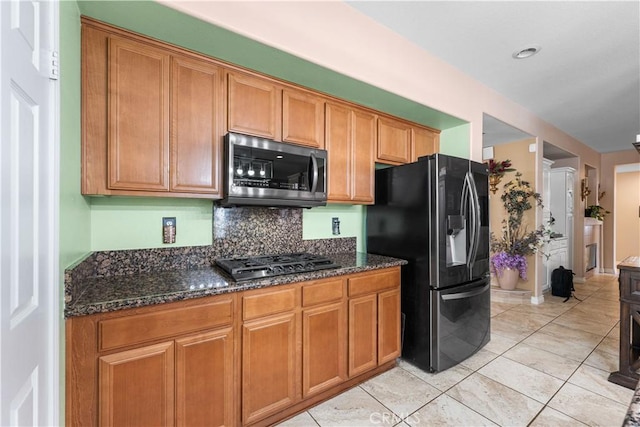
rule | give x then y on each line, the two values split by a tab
585	80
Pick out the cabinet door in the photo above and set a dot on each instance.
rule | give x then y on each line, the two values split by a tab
302	118
136	387
324	347
388	326
350	143
253	106
270	366
138	88
195	132
394	141
205	392
339	151
362	334
364	142
425	142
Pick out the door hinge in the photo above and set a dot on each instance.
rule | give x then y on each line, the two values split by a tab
54	65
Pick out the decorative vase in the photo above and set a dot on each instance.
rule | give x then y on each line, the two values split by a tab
509	278
494	180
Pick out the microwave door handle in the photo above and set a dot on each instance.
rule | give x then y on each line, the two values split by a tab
314	173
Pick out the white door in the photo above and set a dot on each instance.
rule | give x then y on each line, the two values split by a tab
29	282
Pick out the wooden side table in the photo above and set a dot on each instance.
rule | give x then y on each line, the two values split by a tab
629	363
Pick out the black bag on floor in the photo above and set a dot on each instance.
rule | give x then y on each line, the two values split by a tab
562	283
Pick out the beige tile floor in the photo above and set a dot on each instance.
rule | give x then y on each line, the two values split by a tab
546	365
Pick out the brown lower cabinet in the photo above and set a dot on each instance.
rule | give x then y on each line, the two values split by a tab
248	358
136	387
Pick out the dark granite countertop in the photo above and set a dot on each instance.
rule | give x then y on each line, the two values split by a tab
105	294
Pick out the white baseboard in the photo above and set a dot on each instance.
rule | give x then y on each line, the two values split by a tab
610	271
579	279
537	300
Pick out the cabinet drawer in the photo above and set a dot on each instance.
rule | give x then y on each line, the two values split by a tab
271	302
374	282
321	292
129	330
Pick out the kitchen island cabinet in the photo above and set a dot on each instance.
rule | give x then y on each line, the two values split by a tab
629	350
249	357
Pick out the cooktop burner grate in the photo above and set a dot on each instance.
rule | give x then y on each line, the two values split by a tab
247	268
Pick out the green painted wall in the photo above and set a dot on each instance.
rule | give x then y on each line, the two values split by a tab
316	223
131	223
455	141
128	223
75	211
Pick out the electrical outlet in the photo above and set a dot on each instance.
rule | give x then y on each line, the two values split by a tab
169	229
335	226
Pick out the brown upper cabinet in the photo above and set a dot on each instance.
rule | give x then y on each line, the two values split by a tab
138	116
261	107
302	118
150	119
425	142
394	141
154	116
350	143
196	92
401	142
253	105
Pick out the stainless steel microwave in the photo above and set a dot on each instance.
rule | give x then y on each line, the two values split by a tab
262	172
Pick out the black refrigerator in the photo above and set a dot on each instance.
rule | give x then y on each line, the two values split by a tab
434	213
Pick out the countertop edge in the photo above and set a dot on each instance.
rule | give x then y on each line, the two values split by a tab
76	310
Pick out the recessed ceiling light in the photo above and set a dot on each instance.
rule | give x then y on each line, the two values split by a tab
526	52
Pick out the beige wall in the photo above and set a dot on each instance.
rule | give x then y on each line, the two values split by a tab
365	50
607	184
627	220
524	162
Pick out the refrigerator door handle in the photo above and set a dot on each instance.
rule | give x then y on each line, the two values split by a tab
473	244
475	216
467	294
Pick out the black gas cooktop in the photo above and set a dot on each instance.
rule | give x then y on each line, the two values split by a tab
247	268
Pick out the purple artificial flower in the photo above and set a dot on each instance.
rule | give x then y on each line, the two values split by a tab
502	260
